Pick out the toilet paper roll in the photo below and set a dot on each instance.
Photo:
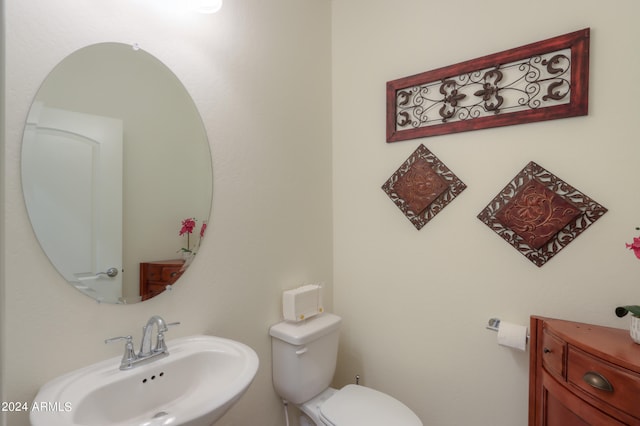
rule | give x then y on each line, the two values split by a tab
512	335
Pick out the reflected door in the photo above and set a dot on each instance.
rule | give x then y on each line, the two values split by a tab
73	190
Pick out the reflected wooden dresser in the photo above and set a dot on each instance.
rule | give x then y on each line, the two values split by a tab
582	375
156	276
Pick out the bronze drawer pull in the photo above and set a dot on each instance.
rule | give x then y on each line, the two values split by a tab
546	350
597	381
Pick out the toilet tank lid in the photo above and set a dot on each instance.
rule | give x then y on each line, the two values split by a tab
300	333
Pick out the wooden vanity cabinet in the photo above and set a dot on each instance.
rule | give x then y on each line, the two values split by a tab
582	375
156	276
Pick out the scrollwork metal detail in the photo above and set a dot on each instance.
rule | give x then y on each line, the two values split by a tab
422	186
537	82
539	214
541	81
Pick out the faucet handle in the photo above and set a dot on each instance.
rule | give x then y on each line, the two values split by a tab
160	345
117	339
129	353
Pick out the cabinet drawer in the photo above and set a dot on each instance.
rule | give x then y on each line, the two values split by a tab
170	274
625	384
164	274
562	408
553	354
155	289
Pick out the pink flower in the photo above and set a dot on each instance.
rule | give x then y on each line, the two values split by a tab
187	226
635	246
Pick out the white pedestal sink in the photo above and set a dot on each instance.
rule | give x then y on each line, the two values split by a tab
202	377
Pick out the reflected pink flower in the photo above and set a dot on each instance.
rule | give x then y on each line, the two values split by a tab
187	226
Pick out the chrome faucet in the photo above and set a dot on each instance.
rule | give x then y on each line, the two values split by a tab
145	345
130	359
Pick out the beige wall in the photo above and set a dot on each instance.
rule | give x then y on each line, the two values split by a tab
259	73
415	303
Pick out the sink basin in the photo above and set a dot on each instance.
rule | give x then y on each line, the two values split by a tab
202	377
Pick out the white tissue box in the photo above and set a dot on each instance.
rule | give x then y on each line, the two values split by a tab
302	303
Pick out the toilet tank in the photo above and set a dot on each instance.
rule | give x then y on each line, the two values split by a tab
304	356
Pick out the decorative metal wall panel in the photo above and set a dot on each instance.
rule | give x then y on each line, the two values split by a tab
540	81
539	214
422	187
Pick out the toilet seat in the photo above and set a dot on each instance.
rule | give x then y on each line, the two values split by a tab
360	405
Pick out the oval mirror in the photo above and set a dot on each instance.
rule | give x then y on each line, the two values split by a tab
116	173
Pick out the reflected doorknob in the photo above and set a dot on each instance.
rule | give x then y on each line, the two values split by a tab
111	272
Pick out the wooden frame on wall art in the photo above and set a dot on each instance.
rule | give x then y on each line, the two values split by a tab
541	81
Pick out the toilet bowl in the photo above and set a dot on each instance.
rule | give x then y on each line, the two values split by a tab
304	356
360	405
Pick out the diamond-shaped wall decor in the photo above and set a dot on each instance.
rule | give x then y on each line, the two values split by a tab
422	187
539	214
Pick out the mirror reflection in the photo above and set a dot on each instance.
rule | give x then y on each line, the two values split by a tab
116	173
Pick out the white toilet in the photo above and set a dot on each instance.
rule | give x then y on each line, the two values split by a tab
304	360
